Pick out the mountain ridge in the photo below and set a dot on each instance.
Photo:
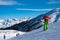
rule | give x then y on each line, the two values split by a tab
27	25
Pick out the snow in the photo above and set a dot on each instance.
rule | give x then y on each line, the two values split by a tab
9	33
26	19
53	16
51	34
11	22
59	19
8	22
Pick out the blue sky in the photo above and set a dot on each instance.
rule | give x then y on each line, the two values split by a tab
26	8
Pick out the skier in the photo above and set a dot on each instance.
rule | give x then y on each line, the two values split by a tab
17	34
46	19
4	36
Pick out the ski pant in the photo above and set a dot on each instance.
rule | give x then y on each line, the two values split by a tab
45	25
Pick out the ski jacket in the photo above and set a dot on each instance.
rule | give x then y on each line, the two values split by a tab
46	18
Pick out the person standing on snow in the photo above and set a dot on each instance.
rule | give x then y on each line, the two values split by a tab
17	34
46	19
4	36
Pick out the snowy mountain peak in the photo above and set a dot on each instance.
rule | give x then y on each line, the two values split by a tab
55	15
10	22
15	19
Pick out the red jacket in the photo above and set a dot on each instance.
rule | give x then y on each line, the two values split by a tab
46	18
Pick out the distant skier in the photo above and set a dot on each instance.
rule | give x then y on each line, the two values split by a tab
17	34
46	19
4	36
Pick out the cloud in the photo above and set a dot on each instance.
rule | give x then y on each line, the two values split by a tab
34	9
54	2
9	2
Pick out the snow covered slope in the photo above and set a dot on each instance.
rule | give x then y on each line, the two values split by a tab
10	34
9	22
54	14
51	34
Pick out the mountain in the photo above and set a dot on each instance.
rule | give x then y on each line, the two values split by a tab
55	16
36	22
34	27
51	34
10	22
